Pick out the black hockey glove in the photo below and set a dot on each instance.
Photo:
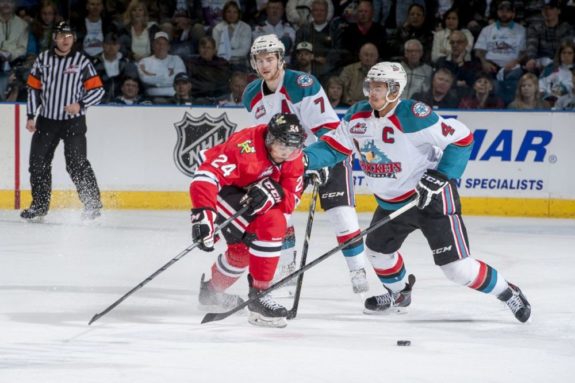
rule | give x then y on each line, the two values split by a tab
262	196
431	183
203	228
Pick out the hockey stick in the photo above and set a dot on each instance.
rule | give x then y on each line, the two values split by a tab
163	268
210	317
293	311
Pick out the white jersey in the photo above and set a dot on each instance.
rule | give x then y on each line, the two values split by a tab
298	93
396	149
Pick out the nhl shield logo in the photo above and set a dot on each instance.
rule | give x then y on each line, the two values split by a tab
197	133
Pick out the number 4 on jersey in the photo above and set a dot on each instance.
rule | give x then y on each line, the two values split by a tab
446	130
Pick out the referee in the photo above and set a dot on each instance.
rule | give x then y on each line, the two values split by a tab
61	85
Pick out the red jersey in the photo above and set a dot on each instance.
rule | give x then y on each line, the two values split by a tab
241	161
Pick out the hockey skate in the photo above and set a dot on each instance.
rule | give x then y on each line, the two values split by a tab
390	302
265	312
517	303
34	214
91	214
211	300
359	281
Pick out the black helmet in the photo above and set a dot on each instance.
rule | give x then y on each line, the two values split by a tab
285	128
63	27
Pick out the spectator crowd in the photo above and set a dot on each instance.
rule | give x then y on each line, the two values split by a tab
486	54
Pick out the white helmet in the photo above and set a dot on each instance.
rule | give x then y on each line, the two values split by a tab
390	73
267	44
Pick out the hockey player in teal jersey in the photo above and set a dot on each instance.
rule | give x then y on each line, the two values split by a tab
280	90
407	151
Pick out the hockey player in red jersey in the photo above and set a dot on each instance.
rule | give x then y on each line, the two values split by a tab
260	167
284	90
408	151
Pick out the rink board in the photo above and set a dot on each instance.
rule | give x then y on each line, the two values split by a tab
143	158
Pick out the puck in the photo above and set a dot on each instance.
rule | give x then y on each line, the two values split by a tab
404	343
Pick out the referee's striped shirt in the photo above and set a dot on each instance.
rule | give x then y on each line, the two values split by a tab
56	81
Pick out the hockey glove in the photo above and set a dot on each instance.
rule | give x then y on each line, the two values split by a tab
319	175
431	183
262	196
203	228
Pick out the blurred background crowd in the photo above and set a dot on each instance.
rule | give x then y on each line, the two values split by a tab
457	54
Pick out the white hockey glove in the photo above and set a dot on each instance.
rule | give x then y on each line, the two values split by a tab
320	175
262	196
203	228
431	184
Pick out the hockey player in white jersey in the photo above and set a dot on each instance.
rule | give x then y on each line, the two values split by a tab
280	90
407	151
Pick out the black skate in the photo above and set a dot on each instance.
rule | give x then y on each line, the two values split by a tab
265	312
517	302
211	300
390	302
34	214
359	282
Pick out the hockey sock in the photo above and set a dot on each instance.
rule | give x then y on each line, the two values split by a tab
288	248
230	266
344	220
475	274
264	258
389	269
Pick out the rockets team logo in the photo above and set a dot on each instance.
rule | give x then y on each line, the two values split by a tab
198	133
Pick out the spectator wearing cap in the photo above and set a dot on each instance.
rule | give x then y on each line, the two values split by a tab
112	67
130	93
183	90
353	75
544	38
482	95
158	70
238	83
304	58
418	73
209	73
139	29
501	48
233	37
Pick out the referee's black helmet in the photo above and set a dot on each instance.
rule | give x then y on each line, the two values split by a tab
63	27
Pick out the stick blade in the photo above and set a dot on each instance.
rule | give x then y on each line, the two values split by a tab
212	317
94	318
291	315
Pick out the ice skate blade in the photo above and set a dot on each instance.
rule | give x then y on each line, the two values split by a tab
261	321
390	311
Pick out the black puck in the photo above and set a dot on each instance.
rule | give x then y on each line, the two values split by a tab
404	343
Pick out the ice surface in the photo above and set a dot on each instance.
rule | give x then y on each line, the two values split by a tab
55	276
